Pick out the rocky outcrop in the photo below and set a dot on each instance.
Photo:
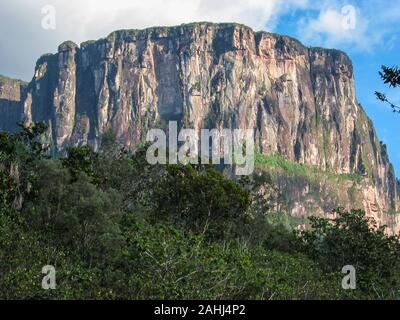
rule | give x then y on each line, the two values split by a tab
12	92
300	101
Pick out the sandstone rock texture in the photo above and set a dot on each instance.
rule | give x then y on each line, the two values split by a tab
300	101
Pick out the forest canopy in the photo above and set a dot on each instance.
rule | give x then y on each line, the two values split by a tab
115	227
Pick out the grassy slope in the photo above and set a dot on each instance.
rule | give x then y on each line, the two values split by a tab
318	191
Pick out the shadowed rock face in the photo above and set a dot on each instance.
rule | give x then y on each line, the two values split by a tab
12	92
300	101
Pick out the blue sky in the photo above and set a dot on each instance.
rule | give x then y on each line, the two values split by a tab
371	38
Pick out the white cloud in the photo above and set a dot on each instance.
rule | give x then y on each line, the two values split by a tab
91	18
334	27
81	20
376	20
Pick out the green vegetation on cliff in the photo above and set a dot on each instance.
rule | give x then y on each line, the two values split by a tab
7	80
309	191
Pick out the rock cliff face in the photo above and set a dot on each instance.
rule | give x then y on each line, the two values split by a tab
300	101
12	92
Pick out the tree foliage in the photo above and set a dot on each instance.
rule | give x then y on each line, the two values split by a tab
353	239
115	227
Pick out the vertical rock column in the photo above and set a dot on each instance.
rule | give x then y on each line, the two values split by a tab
64	94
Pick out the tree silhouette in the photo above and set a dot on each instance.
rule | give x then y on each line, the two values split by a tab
391	76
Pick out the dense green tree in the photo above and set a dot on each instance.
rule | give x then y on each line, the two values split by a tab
353	239
81	160
164	262
116	227
74	212
18	154
200	199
